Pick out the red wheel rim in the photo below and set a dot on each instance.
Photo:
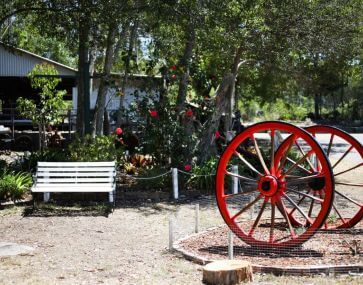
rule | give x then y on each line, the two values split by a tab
267	185
347	165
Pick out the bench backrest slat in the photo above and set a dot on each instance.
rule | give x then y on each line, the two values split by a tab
76	164
75	169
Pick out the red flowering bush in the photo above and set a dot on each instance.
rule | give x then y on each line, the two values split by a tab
189	113
187	167
118	131
153	113
217	135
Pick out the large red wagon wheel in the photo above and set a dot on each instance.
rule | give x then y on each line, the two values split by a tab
346	157
267	187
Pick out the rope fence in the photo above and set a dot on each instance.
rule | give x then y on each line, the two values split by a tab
175	180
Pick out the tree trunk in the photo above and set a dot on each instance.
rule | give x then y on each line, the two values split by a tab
133	35
227	272
83	51
184	65
317	106
221	104
97	121
231	92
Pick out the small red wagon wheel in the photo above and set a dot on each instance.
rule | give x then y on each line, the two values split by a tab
269	182
346	157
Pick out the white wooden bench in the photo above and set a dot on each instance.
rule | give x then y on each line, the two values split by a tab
75	177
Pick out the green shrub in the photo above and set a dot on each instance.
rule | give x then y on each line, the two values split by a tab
202	177
100	148
14	186
29	163
160	183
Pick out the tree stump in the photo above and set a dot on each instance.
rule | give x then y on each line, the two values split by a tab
227	272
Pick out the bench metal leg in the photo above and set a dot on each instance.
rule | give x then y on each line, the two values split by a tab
46	196
110	196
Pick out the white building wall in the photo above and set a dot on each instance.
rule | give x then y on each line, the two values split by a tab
112	100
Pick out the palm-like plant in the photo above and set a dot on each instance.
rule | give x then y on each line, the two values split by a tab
14	185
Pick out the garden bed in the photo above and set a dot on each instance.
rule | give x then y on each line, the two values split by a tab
327	250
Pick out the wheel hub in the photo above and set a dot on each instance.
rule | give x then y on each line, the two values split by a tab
268	185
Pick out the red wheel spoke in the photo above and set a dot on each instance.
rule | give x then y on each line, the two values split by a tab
299	202
340	216
307	195
298	208
247	163
271	239
349	199
350	169
272	165
299	166
348	184
228	196
241	177
311	208
285	215
284	157
330	145
259	154
304	179
303	153
249	205
257	221
342	157
297	163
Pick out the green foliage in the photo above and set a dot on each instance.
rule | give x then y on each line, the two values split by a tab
160	183
51	105
29	163
281	110
14	185
100	148
203	177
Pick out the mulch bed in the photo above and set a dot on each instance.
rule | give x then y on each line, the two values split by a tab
325	248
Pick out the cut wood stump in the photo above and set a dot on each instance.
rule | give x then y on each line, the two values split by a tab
227	272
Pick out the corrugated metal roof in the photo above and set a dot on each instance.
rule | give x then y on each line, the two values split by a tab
17	62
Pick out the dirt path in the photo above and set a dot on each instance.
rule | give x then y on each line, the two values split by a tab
127	247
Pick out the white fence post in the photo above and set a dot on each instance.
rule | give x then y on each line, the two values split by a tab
235	179
175	183
230	245
171	233
196	230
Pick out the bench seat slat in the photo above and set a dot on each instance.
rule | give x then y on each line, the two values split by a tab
73	189
74	180
79	174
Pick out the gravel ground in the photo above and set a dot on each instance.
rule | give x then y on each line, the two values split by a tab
128	246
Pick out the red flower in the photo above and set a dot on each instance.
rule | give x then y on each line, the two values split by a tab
218	135
173	67
118	131
173	77
189	113
187	167
153	113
